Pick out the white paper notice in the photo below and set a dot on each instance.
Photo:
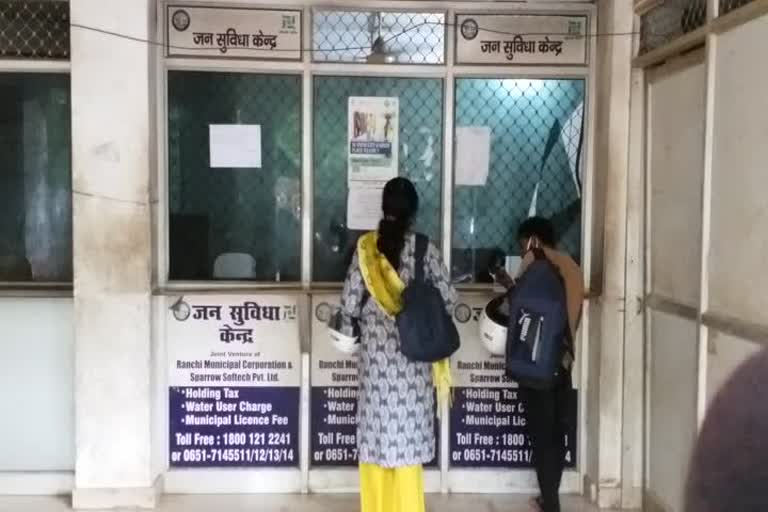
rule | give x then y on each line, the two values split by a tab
473	155
235	145
364	205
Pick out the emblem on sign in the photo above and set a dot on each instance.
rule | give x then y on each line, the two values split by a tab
469	29
463	313
180	20
181	310
323	312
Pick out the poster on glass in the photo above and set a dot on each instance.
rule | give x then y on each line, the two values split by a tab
372	139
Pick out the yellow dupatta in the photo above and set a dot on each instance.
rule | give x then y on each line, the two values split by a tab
386	288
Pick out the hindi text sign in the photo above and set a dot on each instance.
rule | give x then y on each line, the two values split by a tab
233	32
234	379
521	39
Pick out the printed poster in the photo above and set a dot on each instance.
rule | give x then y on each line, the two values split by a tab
234	378
373	133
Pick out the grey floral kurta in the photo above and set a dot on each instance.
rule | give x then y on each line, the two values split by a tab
396	400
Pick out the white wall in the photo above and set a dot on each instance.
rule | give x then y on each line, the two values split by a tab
738	261
707	148
673	356
738	258
676	97
676	100
725	353
36	381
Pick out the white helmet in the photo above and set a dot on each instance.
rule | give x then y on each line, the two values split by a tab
348	345
493	326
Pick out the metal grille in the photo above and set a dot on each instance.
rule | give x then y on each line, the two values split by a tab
420	160
727	6
535	168
378	37
669	21
34	30
245	211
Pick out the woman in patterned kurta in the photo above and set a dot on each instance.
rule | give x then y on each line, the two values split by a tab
396	405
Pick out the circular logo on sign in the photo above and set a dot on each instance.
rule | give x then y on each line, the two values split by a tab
323	312
469	29
181	310
180	20
463	313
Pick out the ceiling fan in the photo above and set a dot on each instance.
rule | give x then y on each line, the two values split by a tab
380	50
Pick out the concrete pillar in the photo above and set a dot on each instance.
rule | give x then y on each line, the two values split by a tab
111	169
609	366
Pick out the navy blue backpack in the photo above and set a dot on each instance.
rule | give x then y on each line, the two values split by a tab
427	332
538	333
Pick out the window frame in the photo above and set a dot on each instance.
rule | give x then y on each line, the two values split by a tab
449	71
586	186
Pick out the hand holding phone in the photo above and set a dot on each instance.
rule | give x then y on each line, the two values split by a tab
501	277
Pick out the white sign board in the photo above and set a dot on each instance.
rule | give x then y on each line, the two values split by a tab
234	378
235	145
372	149
233	32
521	39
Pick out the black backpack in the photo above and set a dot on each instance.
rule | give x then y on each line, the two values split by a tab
427	331
538	333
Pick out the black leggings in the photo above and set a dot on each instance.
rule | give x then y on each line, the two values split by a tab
546	414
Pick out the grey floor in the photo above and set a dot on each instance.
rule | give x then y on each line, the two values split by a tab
314	503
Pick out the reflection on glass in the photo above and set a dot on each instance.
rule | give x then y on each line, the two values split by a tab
535	168
234	223
420	159
35	178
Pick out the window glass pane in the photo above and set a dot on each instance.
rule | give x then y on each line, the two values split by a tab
234	223
420	159
35	178
535	168
405	37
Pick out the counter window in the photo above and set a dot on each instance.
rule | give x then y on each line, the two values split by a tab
417	136
36	178
234	152
526	159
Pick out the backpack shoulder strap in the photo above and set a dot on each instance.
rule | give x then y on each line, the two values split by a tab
422	243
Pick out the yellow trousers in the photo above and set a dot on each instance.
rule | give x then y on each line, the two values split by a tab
391	490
